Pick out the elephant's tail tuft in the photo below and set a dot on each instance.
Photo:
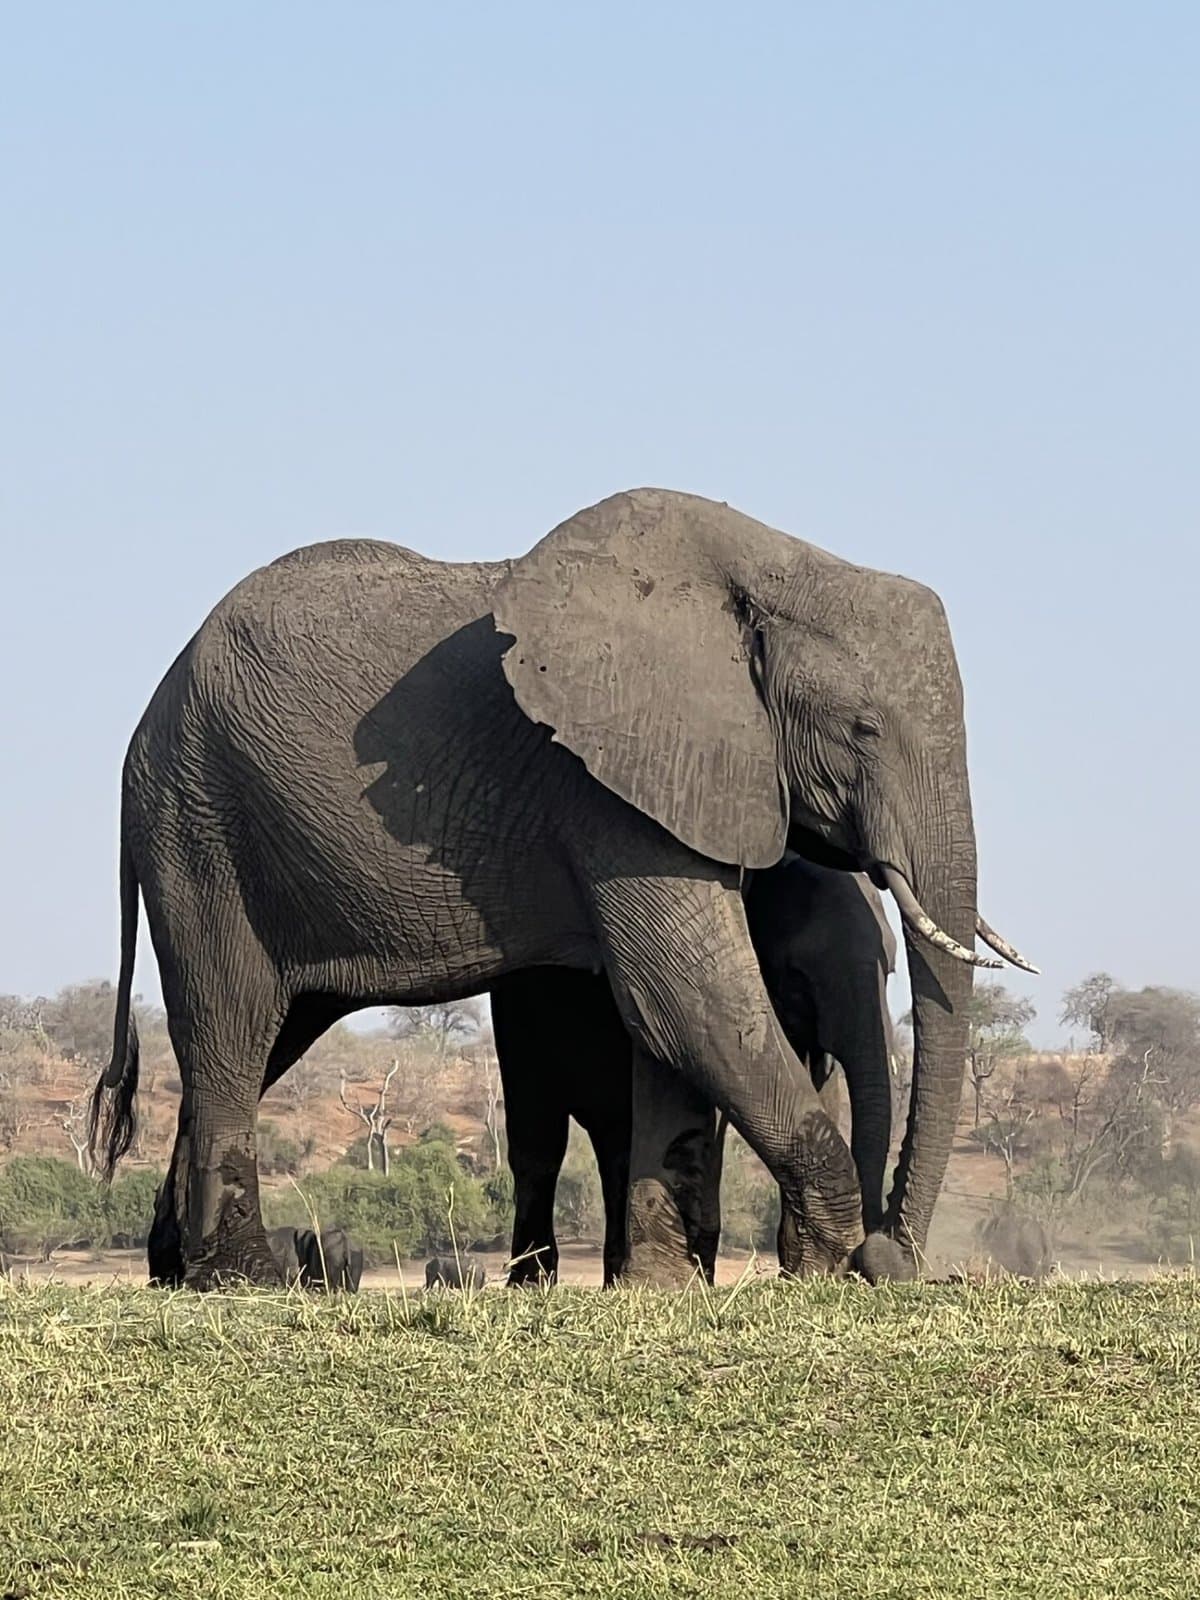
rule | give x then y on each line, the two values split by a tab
112	1119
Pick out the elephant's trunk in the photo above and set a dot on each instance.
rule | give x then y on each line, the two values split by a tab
944	881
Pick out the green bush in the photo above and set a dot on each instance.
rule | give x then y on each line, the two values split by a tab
129	1207
579	1200
48	1204
1174	1220
408	1212
749	1200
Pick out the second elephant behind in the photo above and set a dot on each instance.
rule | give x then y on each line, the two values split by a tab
330	1259
826	951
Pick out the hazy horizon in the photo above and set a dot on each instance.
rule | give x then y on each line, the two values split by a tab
917	285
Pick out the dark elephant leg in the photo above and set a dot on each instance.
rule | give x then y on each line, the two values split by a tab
708	1235
224	1014
164	1246
689	986
526	1018
610	1140
563	1052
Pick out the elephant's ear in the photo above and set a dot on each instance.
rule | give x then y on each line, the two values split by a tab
635	647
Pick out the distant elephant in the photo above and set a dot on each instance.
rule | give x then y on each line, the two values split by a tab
1019	1244
826	950
329	1261
451	1273
283	1248
374	778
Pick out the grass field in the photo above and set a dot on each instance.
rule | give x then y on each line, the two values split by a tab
768	1440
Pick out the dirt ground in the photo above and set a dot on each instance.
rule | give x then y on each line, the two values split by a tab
951	1246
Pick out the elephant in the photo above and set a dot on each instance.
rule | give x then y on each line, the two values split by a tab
283	1247
329	1260
1021	1245
375	778
448	1272
826	951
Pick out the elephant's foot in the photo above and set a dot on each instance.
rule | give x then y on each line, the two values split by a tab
881	1259
233	1262
225	1241
658	1246
533	1266
820	1224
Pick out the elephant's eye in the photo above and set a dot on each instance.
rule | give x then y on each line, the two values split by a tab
867	728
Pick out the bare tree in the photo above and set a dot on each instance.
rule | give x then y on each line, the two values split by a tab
996	1019
375	1119
299	1085
79	1021
493	1099
74	1123
441	1023
1007	1128
15	1120
1089	1005
1123	1127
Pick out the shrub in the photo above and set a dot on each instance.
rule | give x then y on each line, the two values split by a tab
129	1208
408	1212
278	1156
46	1204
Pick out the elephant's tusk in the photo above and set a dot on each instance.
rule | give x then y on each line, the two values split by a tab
919	921
1002	946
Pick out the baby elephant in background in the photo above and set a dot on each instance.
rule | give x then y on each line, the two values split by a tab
453	1274
332	1261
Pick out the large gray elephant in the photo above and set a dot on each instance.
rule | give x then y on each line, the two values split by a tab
375	778
826	951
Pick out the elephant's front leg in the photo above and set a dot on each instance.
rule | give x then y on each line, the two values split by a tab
685	975
672	1228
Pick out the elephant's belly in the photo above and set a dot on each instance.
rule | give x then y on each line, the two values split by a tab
405	924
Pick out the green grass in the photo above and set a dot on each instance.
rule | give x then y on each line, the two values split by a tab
821	1439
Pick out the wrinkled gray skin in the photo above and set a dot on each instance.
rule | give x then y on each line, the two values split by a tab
447	1273
1019	1244
333	1261
826	951
345	792
283	1247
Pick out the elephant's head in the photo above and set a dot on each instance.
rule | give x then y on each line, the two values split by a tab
750	691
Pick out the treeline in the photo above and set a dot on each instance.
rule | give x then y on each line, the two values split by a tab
398	1134
1104	1130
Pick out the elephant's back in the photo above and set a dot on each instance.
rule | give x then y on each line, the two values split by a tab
318	634
357	604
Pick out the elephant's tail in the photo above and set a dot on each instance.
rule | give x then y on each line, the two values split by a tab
112	1121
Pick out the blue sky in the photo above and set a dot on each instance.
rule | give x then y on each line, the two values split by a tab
915	282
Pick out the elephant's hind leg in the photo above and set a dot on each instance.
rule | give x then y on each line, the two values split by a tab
225	1011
